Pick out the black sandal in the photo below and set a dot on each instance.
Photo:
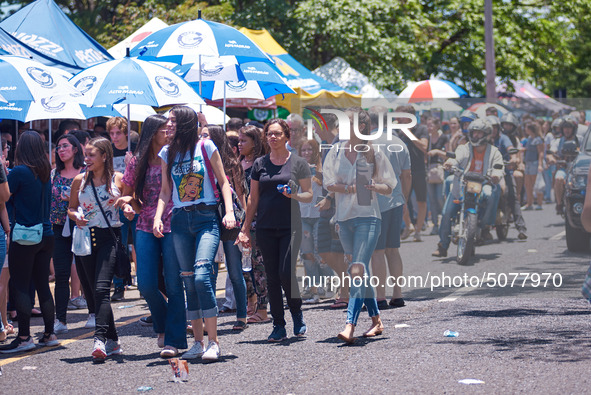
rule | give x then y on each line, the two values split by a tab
240	326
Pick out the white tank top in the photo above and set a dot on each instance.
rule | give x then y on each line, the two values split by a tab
91	210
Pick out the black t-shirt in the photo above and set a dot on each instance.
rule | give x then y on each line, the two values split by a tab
440	145
27	196
417	157
119	157
274	210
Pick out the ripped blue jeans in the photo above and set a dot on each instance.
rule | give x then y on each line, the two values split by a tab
195	237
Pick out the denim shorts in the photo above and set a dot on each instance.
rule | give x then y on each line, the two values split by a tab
531	168
325	241
391	227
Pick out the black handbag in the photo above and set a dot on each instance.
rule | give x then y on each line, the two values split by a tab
239	213
122	261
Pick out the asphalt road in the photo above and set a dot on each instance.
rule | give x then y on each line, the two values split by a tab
512	339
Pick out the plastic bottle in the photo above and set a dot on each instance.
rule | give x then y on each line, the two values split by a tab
284	188
246	260
449	333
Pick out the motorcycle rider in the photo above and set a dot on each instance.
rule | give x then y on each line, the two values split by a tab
476	156
569	130
504	144
509	125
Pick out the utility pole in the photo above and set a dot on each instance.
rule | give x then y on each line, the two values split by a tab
491	94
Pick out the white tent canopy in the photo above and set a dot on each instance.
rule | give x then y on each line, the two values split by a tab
155	24
340	73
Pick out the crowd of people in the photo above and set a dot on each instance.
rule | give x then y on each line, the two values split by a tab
170	194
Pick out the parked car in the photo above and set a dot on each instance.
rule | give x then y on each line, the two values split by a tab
577	239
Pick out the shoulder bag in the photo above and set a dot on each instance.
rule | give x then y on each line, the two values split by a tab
122	264
30	235
225	233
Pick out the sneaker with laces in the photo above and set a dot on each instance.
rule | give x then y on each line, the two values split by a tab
99	352
212	353
18	345
49	340
91	323
194	352
113	347
77	303
59	327
278	334
299	326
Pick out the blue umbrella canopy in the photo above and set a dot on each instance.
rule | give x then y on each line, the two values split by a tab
184	42
43	26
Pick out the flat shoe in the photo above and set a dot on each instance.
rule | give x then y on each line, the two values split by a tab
375	331
348	340
169	352
240	326
257	319
339	304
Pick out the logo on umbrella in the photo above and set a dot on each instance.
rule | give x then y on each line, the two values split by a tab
212	69
168	86
190	39
85	84
41	77
47	105
236	86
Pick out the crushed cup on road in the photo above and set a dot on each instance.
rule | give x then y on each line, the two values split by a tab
449	333
180	369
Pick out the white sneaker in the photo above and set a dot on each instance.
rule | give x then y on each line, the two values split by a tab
99	352
407	232
91	323
113	347
417	237
18	345
59	327
212	353
77	303
195	352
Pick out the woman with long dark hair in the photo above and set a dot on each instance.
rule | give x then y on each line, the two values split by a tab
233	254
358	213
189	166
279	226
69	162
142	183
99	266
28	263
251	146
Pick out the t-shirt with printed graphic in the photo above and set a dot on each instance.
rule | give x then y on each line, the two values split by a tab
477	163
191	185
119	157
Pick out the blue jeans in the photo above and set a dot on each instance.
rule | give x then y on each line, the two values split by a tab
309	244
127	224
168	317
234	267
487	212
2	257
548	180
195	237
359	237
435	195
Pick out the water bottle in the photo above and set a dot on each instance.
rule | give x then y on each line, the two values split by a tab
246	260
283	188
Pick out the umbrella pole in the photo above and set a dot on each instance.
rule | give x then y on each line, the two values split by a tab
200	88
224	106
128	127
50	142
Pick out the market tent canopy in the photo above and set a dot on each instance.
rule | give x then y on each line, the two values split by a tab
528	91
339	72
153	25
309	87
43	26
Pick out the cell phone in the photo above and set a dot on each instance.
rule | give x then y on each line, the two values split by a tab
319	199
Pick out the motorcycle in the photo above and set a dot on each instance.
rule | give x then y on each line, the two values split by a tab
466	229
570	151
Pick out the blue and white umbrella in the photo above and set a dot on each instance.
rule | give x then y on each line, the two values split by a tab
261	82
223	68
27	79
133	81
185	42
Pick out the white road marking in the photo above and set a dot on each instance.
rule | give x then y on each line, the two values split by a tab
558	236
